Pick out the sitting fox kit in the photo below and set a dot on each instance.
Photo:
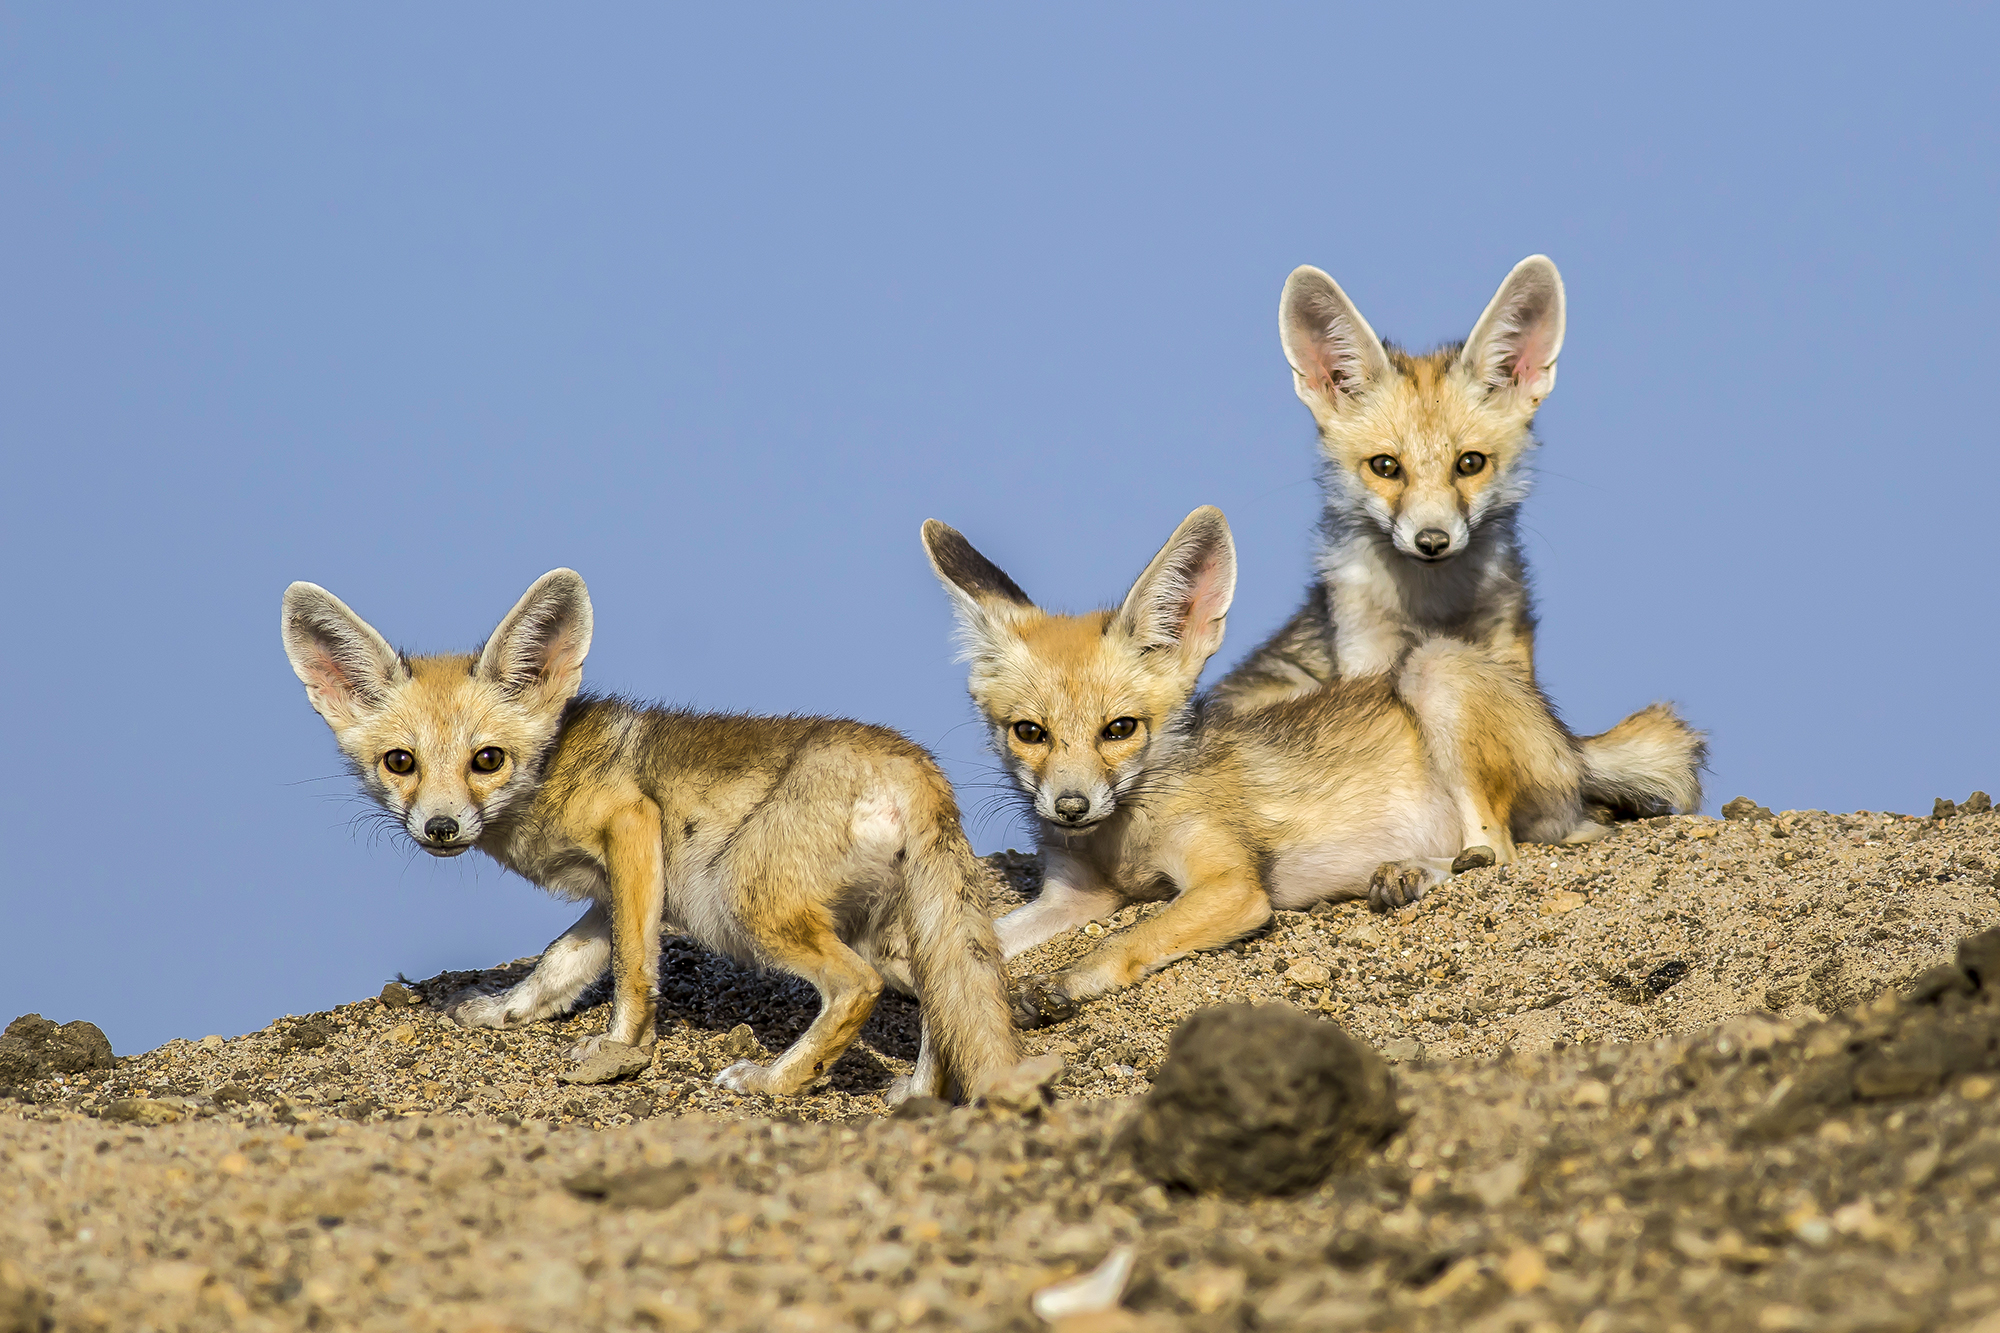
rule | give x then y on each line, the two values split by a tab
1145	792
825	848
1424	466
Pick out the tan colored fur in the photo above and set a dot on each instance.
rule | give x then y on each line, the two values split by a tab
1357	788
826	848
1384	584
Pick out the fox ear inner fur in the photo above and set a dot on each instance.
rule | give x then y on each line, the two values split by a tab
1513	347
1333	353
540	646
347	667
1182	598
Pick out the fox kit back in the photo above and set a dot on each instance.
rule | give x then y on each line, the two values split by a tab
826	848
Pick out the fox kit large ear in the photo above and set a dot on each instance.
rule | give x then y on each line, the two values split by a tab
981	593
348	668
1333	353
1182	599
539	648
1514	345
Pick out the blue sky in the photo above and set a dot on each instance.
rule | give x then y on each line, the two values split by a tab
716	307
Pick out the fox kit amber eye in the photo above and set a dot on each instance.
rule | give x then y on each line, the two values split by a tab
1119	729
489	759
1029	733
1385	466
399	761
1471	463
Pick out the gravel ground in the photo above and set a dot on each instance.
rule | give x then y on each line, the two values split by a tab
1672	1080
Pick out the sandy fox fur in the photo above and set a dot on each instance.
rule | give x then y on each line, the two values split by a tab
1424	466
1145	791
825	848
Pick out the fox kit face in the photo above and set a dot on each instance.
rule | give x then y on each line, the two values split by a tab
1425	447
444	744
1078	707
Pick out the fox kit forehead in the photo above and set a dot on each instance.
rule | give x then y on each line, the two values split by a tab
1422	409
1063	665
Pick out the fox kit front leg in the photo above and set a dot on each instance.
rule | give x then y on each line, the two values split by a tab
1220	904
637	871
564	971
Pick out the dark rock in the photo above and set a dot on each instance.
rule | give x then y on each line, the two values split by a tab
1978	803
1744	808
1260	1100
396	995
1940	981
1979	957
1665	977
641	1187
1943	809
32	1042
307	1034
19	1062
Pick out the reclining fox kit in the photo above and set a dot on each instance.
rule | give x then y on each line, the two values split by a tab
825	848
1145	791
1424	466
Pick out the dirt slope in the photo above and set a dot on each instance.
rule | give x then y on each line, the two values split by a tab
1629	1109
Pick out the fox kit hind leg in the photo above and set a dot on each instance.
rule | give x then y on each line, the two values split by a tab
848	988
1496	749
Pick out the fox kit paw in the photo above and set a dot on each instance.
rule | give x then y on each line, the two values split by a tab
1040	1001
1400	883
487	1011
749	1076
1473	858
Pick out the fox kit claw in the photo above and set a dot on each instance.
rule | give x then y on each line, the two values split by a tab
1400	883
1040	1002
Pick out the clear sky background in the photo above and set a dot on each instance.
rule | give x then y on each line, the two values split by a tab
718	305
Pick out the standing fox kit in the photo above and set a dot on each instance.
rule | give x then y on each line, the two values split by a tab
1424	469
825	848
1144	792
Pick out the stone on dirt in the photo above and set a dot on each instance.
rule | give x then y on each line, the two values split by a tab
614	1060
1260	1099
141	1111
1743	807
34	1047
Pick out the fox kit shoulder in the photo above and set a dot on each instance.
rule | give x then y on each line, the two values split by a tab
1424	465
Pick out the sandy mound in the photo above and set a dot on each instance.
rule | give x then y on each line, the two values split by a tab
1628	1109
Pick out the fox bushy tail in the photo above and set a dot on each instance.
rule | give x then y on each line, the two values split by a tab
1649	764
961	984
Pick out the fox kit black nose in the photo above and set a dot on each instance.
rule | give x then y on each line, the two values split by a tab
1072	805
441	828
1434	542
